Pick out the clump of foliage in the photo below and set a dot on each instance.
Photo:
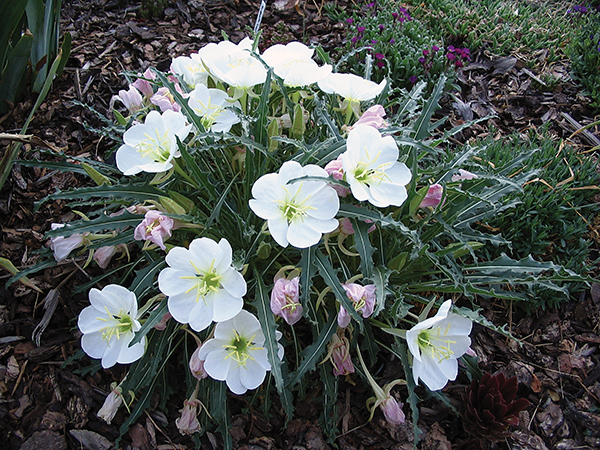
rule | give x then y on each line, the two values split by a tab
550	217
289	230
150	9
584	50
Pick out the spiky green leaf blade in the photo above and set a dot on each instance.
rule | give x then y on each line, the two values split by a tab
422	126
380	277
101	223
329	275
307	273
267	322
363	246
312	353
146	277
155	316
401	351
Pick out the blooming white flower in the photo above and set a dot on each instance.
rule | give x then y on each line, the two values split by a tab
236	354
151	146
191	69
201	284
109	325
294	64
297	213
351	87
233	64
209	105
372	169
436	344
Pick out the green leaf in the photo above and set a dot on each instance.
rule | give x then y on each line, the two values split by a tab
267	322
400	350
380	277
155	316
313	352
44	264
422	127
363	246
329	275
12	12
102	223
99	178
145	277
12	78
307	273
261	113
141	192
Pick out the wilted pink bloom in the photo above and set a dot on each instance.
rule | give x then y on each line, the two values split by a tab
111	405
372	117
155	228
145	87
164	100
132	99
433	196
392	411
61	245
188	423
335	169
363	299
162	324
197	365
463	175
346	226
339	352
285	298
103	255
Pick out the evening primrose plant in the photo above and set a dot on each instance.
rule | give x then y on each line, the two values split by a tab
306	229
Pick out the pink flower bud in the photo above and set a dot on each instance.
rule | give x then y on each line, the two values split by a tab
285	298
103	255
339	349
346	226
132	99
162	324
164	100
335	169
392	411
145	87
433	196
111	405
155	228
188	423
363	299
373	117
197	365
463	175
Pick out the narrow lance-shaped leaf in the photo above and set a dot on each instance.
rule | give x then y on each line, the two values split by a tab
267	322
363	246
101	223
330	277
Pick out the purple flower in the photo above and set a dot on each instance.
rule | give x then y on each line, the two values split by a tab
381	27
394	16
392	41
413	79
458	64
380	64
285	298
425	52
360	29
371	5
354	39
435	48
379	56
451	48
451	56
373	41
422	60
349	20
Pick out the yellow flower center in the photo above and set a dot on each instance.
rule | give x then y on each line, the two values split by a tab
205	282
156	147
239	349
119	324
429	342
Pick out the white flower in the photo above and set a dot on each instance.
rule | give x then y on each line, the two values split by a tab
352	87
209	105
61	245
297	213
201	284
151	146
372	169
233	64
436	344
294	64
109	325
191	69
236	354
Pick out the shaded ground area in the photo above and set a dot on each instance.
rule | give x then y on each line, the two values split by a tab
45	403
